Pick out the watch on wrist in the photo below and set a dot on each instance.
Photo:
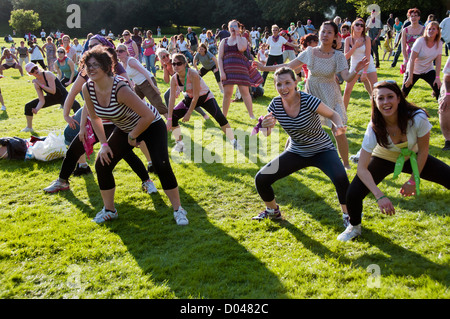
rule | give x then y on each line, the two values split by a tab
131	138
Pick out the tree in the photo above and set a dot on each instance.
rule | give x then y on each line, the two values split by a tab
24	20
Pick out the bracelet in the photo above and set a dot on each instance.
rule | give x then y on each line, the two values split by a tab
105	144
448	93
438	77
169	118
411	182
384	196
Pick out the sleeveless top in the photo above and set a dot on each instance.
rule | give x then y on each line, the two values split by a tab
137	77
120	114
65	69
60	89
204	89
411	38
131	51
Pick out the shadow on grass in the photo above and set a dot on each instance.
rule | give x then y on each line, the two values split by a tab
198	260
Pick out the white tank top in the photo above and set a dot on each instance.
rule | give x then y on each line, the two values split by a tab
137	77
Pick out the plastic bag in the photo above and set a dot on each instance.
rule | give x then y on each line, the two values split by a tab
53	147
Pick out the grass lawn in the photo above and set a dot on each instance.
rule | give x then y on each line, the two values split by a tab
50	248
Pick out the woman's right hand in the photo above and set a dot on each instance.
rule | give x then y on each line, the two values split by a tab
408	81
268	121
71	122
169	125
82	135
386	206
223	77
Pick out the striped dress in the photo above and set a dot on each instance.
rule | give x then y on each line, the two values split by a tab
305	130
120	114
235	65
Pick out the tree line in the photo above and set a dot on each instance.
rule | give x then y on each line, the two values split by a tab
148	14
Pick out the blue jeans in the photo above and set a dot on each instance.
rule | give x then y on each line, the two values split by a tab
188	55
150	63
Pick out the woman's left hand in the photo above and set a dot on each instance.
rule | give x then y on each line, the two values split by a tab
105	155
187	117
35	110
408	189
340	129
437	82
362	64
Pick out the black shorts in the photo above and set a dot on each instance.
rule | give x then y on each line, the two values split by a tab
7	66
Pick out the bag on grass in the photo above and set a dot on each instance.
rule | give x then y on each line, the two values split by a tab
15	148
53	147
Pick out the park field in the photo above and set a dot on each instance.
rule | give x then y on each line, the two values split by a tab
50	248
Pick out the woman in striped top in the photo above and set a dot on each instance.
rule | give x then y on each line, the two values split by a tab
108	97
298	114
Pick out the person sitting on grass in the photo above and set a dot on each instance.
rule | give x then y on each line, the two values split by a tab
396	140
298	114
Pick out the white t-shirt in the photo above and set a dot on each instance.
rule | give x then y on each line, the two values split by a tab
137	77
424	61
276	47
445	32
446	70
182	45
36	54
202	37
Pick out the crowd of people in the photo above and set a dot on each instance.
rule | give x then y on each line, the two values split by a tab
123	107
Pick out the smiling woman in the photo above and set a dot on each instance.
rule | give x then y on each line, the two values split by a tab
396	140
108	97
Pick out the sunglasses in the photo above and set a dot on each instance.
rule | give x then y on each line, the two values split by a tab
33	70
92	66
359	25
120	51
61	52
126	34
164	56
177	63
379	83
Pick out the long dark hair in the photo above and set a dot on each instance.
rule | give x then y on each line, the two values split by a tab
406	112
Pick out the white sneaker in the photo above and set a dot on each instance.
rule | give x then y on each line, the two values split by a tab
149	187
3	108
236	145
104	216
180	216
346	219
27	129
179	147
350	233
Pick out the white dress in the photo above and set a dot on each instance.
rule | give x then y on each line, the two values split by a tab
357	56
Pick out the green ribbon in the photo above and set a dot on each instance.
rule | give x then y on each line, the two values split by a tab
415	168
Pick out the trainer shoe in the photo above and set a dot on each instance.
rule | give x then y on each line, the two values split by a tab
105	215
82	170
346	219
350	233
236	145
57	186
179	147
446	146
269	213
149	187
180	216
27	129
3	108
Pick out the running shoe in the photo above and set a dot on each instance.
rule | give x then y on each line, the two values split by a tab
346	219
180	216
27	129
3	108
268	213
149	187
57	186
82	170
236	145
350	233
105	215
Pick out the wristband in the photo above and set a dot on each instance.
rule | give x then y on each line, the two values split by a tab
131	138
365	72
448	93
438	77
105	144
384	196
169	118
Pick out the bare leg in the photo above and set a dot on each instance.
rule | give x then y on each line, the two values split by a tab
247	98
29	121
108	199
348	91
227	95
174	197
342	146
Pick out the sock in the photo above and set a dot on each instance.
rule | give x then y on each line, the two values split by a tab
84	165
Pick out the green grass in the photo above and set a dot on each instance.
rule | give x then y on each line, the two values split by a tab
49	248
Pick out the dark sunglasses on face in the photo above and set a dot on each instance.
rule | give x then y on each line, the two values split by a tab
120	51
126	34
33	70
359	25
177	63
61	52
92	66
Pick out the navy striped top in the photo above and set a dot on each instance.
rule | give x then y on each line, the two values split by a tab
305	130
120	114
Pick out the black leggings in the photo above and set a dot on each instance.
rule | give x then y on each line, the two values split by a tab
50	99
155	137
271	60
76	149
288	163
203	71
429	77
210	106
434	170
